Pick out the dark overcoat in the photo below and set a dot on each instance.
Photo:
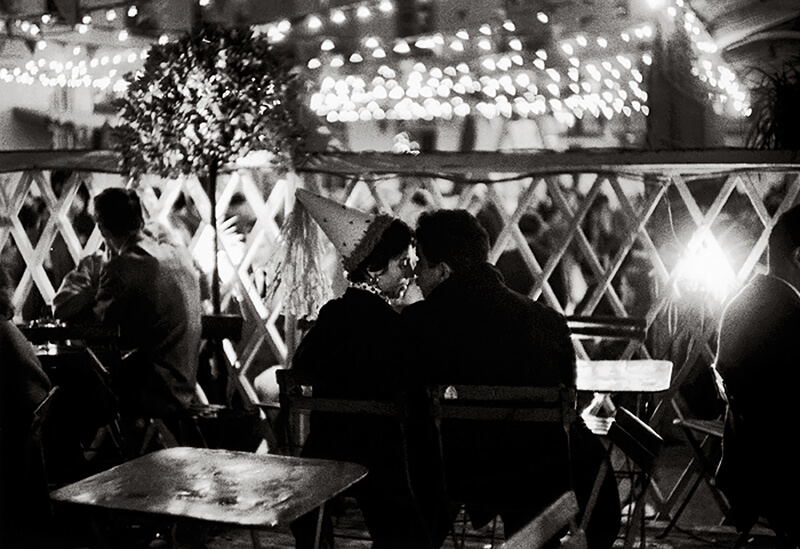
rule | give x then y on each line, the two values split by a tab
759	360
356	350
473	329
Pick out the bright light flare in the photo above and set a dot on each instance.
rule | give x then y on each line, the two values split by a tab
705	268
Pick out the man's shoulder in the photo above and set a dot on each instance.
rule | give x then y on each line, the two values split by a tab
762	293
515	300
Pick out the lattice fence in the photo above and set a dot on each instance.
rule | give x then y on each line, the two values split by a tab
668	245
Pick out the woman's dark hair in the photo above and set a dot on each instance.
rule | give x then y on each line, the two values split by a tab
6	295
454	237
119	211
395	239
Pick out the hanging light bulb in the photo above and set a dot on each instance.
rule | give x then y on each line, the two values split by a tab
338	16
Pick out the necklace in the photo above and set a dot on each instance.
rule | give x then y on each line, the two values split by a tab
367	287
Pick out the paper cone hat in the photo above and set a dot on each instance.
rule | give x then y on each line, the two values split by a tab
353	233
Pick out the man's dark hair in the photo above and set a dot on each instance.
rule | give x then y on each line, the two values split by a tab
394	239
455	237
119	211
784	238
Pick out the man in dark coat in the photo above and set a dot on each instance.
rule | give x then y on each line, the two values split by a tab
472	329
758	358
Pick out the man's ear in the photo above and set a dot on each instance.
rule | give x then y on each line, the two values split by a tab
796	258
444	270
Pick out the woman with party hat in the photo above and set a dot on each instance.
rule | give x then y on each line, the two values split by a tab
355	350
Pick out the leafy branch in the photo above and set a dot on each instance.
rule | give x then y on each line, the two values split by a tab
206	100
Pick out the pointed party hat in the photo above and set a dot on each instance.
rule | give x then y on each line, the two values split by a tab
353	233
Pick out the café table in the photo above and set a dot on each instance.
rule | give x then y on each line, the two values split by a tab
257	491
607	377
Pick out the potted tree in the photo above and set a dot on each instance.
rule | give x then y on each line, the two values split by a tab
203	102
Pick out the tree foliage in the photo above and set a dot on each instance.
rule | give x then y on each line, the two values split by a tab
206	100
776	109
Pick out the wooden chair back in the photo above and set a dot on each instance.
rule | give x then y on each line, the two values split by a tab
295	397
505	403
297	401
551	522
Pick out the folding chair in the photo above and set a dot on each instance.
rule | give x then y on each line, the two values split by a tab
551	522
503	403
704	437
297	400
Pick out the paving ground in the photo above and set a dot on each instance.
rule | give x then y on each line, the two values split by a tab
699	526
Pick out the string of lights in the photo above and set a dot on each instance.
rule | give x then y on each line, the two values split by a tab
487	69
353	100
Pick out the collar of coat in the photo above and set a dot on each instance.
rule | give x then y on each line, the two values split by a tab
482	276
367	287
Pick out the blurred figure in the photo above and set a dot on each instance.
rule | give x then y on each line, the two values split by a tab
24	499
150	290
355	350
758	357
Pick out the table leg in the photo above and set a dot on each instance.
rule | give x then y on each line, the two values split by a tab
255	539
318	533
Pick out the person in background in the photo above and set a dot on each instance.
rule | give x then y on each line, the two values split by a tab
758	359
24	500
354	350
150	290
472	329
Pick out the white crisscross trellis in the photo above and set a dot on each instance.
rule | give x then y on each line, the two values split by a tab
601	216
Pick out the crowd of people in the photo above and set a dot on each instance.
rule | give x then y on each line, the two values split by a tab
470	328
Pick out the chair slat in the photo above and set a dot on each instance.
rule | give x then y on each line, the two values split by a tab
502	392
343	406
501	413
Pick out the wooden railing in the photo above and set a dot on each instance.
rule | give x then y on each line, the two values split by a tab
609	234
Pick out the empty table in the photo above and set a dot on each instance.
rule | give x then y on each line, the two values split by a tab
237	488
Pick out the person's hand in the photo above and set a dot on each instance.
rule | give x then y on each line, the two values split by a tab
77	291
89	268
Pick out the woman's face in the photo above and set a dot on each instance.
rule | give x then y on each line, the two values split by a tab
393	281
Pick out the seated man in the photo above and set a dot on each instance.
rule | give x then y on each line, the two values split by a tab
472	329
758	356
150	291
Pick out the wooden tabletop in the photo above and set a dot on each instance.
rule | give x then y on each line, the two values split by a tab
216	485
619	376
